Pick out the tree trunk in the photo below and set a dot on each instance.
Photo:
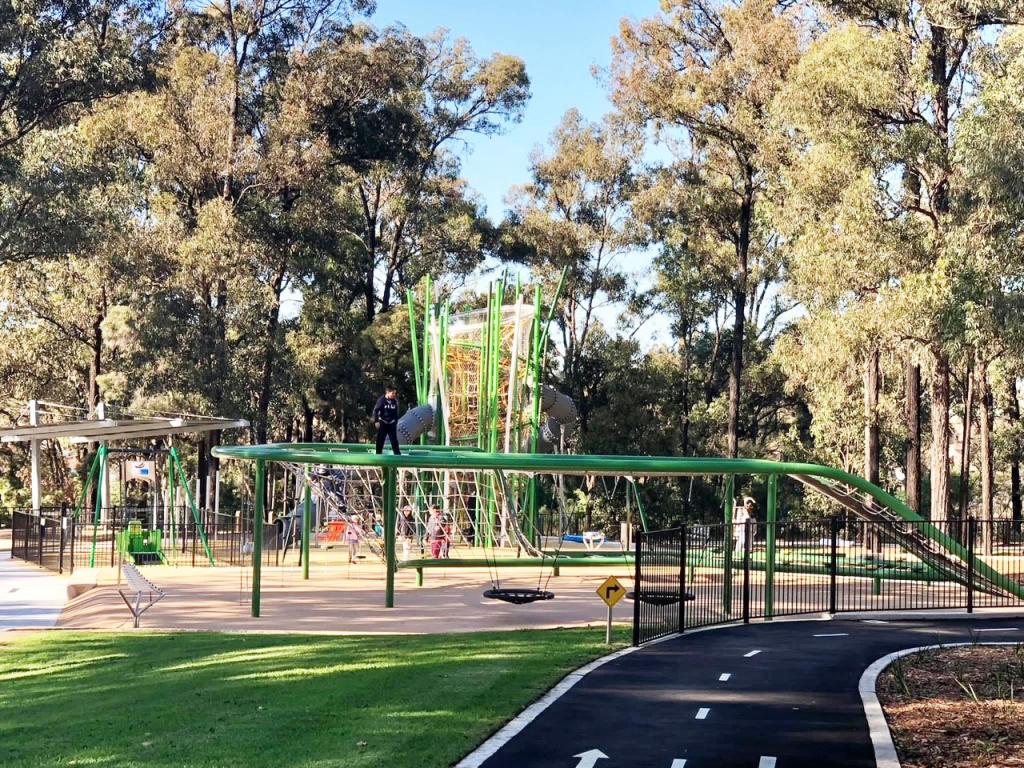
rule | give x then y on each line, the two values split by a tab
270	356
307	421
872	390
202	473
1013	412
912	414
965	445
739	294
940	506
986	417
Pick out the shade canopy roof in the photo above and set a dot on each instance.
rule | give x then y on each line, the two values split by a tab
109	430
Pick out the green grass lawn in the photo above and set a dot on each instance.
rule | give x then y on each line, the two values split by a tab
190	699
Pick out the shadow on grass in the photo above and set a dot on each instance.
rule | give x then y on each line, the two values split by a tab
189	699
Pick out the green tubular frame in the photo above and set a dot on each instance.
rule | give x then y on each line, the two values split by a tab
439	458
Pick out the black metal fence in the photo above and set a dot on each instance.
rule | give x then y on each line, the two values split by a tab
55	539
700	575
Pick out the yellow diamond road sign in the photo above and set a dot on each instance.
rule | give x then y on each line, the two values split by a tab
611	591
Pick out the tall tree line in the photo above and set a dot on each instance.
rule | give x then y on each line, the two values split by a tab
219	207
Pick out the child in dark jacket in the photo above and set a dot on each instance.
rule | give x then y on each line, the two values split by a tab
385	418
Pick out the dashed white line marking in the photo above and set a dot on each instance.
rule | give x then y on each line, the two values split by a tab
678	763
752	653
702	713
999	629
766	762
724	677
875	621
834	634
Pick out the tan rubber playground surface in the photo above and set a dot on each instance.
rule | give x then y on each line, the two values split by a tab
346	599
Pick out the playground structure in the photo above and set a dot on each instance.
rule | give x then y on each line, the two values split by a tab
931	553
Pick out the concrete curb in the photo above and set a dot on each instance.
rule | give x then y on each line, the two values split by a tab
984	614
878	726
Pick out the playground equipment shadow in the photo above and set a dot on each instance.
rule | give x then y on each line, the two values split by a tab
344	600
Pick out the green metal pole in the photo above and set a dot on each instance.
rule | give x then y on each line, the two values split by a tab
171	485
769	554
639	504
410	300
257	533
102	457
535	358
307	515
93	467
192	505
727	543
390	517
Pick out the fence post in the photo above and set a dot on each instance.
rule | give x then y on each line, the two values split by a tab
748	532
63	538
40	533
833	565
682	579
971	533
71	553
636	586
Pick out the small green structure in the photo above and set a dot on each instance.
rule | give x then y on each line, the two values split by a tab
141	547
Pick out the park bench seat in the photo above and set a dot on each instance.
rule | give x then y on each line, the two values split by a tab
137	590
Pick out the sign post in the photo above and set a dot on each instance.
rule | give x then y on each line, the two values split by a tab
610	591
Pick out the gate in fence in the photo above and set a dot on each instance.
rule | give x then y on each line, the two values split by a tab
696	576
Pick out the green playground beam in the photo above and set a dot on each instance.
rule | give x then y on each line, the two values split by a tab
769	557
611	465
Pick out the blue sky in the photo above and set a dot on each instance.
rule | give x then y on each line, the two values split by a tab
560	40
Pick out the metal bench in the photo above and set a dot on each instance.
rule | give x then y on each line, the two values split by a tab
137	586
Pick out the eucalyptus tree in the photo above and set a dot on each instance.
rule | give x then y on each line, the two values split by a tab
706	73
576	215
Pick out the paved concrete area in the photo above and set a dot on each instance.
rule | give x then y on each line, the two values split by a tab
30	597
761	696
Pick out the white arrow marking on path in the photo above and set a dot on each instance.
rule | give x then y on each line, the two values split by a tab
724	677
752	653
589	758
702	713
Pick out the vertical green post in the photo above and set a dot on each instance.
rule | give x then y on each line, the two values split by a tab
410	300
257	533
307	514
535	356
100	485
769	553
727	543
390	519
192	505
171	485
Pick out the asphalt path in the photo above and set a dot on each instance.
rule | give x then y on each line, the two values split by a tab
780	695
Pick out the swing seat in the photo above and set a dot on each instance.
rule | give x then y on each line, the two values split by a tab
659	596
518	595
